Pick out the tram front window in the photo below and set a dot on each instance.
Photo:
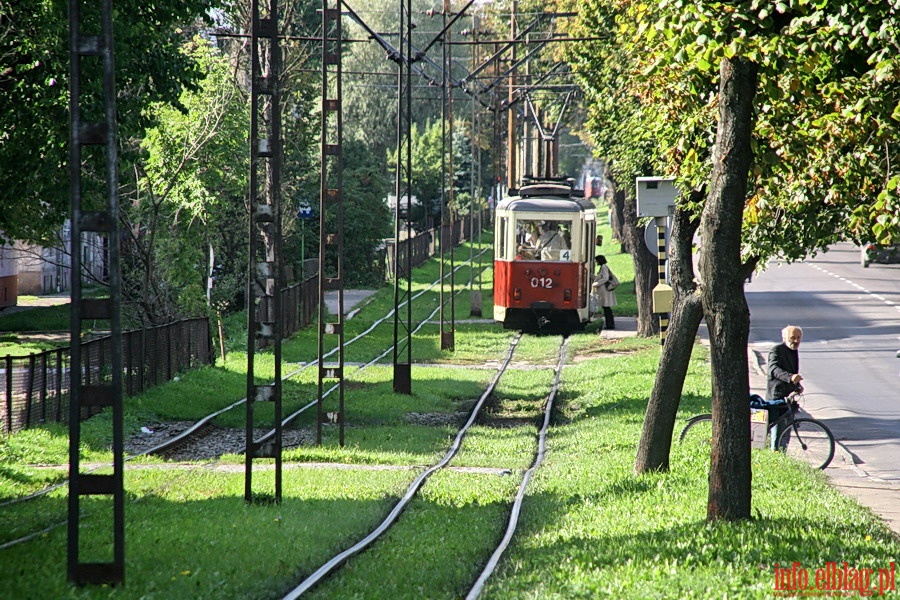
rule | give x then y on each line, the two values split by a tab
542	239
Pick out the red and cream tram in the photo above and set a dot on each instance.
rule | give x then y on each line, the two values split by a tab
544	242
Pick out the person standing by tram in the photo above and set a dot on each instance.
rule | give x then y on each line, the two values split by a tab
603	294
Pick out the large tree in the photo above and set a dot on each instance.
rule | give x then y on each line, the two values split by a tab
687	312
190	199
34	82
367	220
724	305
192	191
823	149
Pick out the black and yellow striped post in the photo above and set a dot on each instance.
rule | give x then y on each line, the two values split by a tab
661	267
662	293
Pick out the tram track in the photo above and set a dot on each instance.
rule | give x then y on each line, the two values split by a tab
476	416
329	567
162	448
194	434
516	509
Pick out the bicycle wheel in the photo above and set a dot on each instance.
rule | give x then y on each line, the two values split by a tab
698	430
808	440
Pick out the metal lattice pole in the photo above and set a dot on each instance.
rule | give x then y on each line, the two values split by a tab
94	141
402	354
512	167
474	186
266	271
447	226
331	217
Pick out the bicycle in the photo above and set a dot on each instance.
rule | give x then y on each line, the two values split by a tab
803	438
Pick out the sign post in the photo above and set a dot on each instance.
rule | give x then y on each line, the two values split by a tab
656	198
304	213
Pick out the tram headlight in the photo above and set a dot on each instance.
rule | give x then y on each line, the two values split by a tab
567	295
517	294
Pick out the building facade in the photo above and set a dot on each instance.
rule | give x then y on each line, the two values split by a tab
28	269
9	280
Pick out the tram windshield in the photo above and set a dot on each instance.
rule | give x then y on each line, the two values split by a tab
538	239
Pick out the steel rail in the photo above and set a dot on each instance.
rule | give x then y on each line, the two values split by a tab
31	536
293	416
488	570
168	444
180	438
392	517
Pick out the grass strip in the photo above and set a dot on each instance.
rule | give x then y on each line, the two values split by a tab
192	536
590	528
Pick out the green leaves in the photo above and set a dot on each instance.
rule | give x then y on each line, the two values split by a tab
828	107
885	212
34	81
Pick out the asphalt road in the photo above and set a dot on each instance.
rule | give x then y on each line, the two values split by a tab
851	333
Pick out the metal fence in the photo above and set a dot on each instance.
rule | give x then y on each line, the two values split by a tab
36	387
422	246
299	306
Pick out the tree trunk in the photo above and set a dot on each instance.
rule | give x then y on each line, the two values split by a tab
687	311
724	305
616	204
646	273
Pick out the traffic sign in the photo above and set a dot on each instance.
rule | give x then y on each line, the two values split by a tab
305	210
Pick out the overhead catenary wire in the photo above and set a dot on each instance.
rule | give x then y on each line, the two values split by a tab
495	103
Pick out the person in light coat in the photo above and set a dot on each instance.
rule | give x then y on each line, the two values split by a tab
600	295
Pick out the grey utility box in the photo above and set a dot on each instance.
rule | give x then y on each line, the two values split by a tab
655	196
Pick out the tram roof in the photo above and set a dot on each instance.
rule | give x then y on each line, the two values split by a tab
546	196
546	204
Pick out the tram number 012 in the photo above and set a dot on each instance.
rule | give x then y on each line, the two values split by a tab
542	282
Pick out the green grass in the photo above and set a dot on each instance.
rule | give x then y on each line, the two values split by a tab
463	513
12	344
15	327
39	318
590	527
179	546
303	347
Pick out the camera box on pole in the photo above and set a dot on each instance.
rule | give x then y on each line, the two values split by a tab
655	196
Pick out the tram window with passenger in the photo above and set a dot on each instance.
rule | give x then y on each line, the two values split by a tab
541	239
